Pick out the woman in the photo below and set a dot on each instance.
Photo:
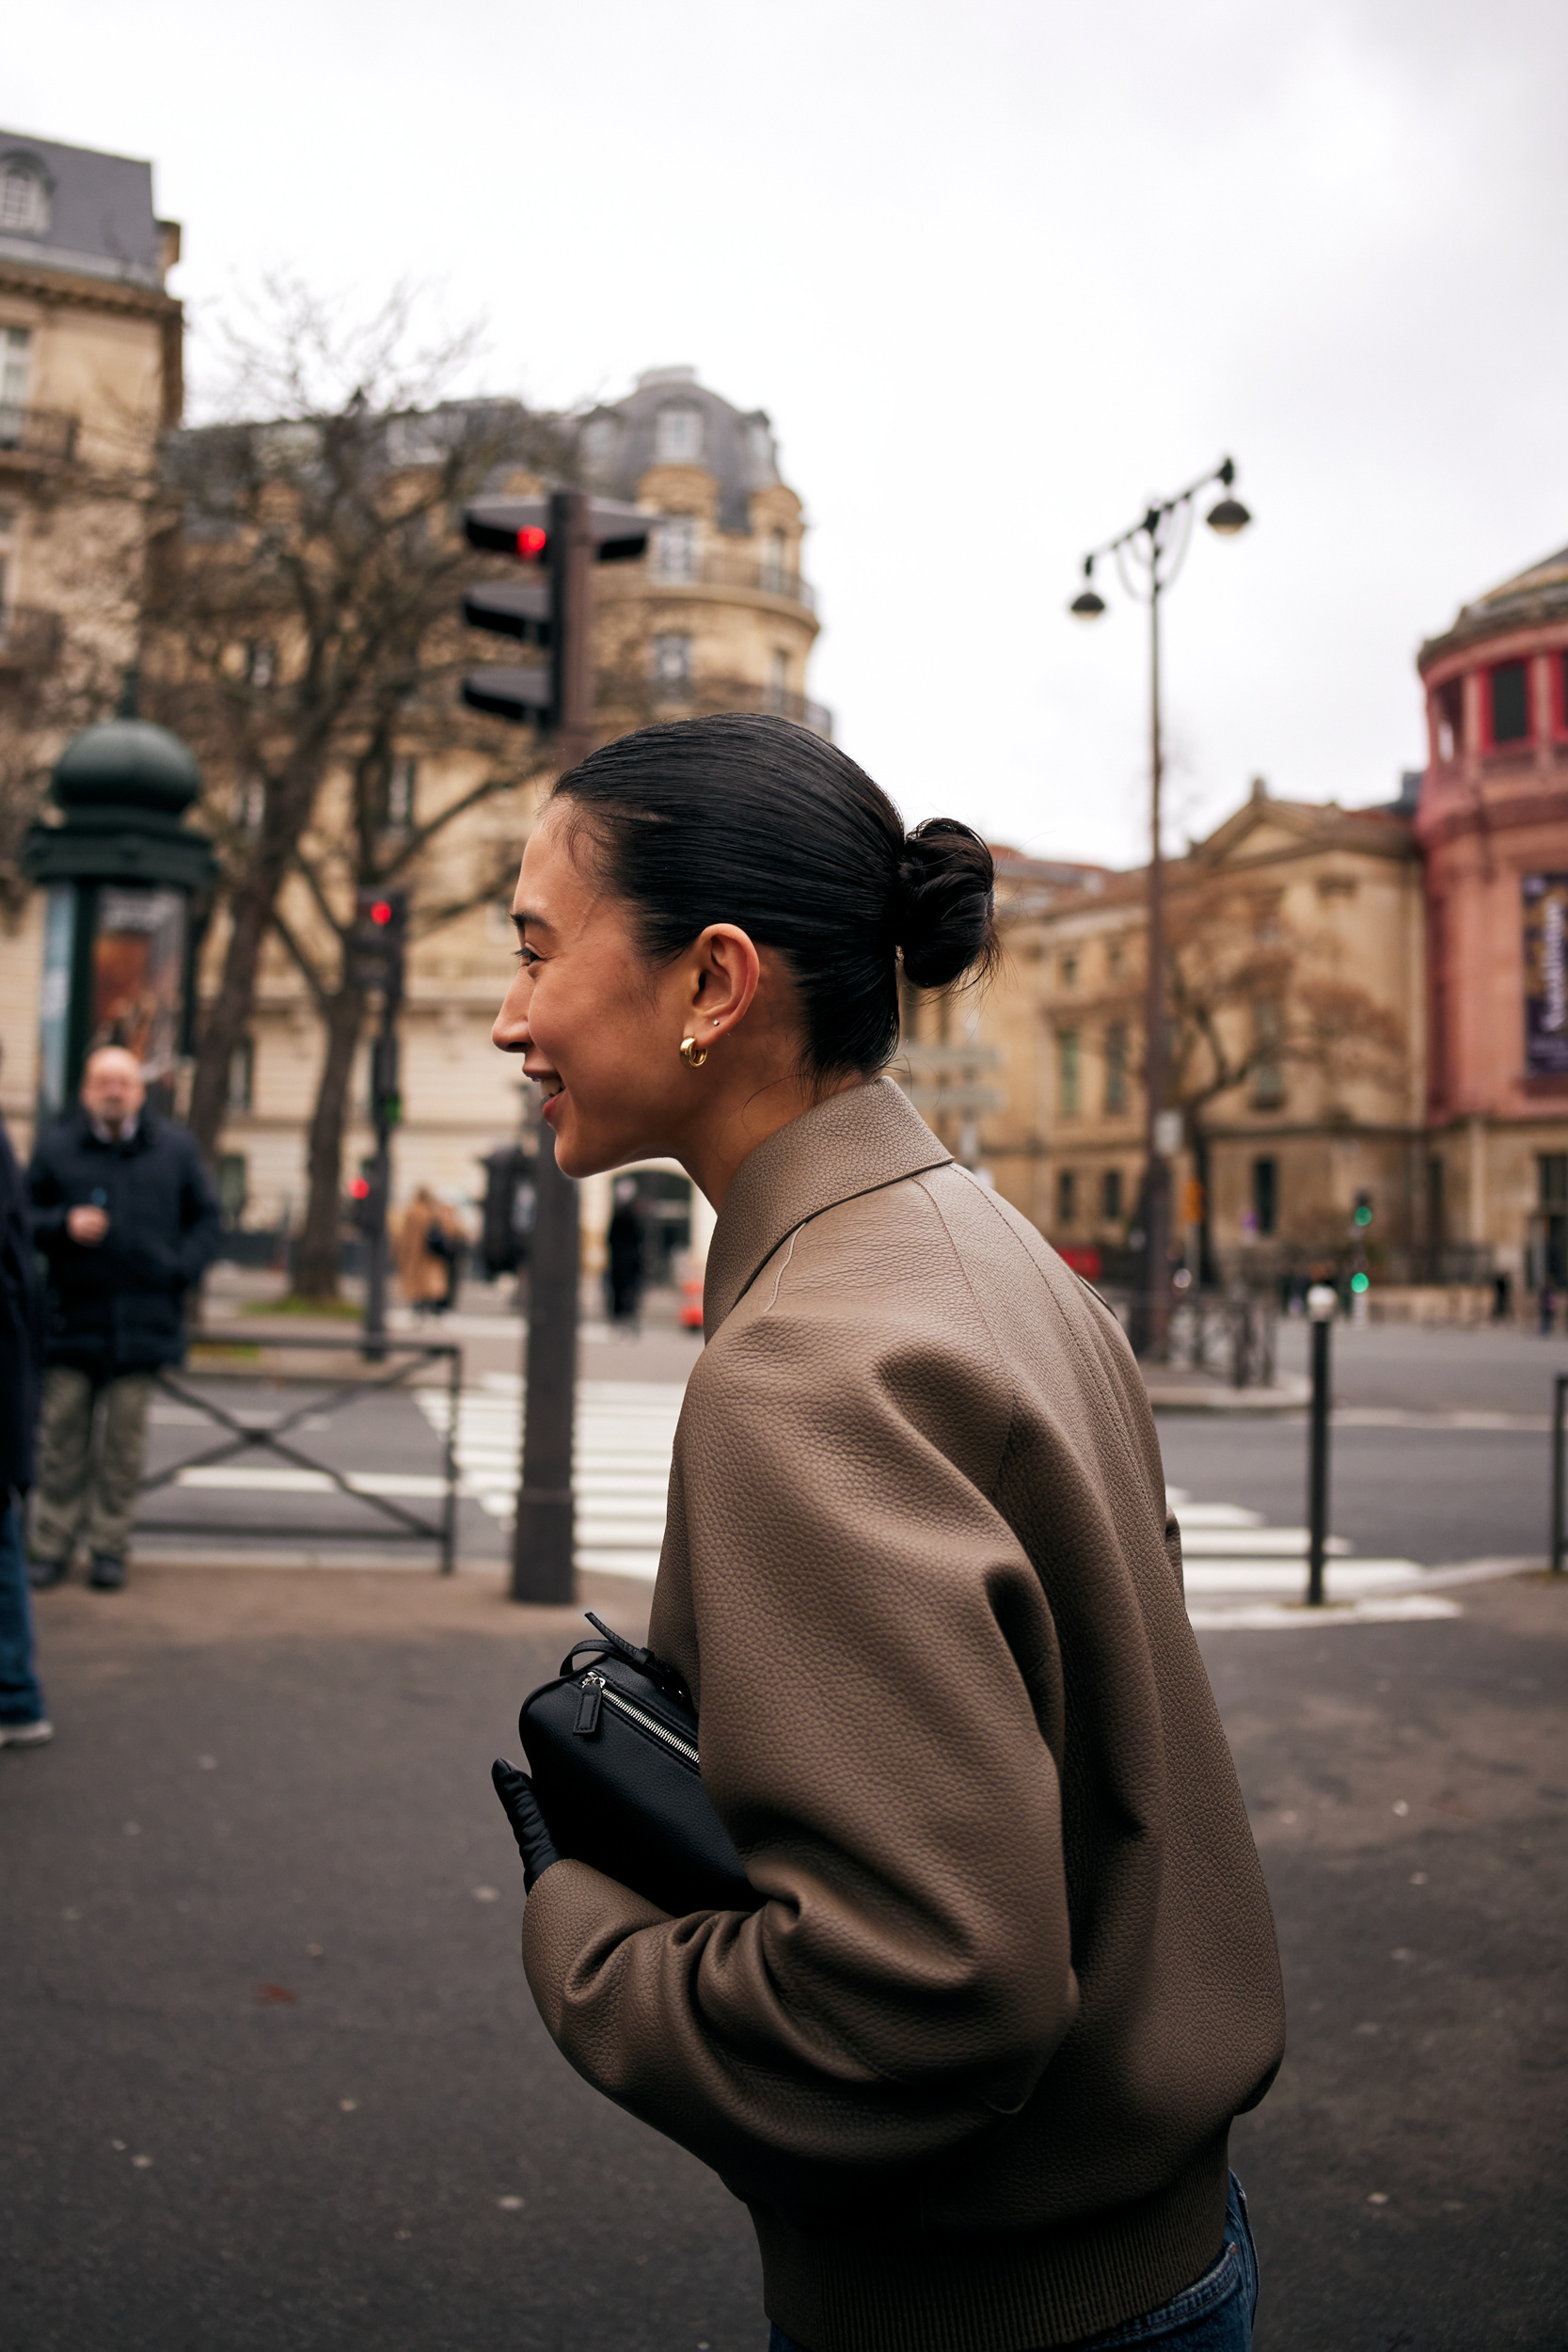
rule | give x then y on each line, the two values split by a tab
972	2061
429	1239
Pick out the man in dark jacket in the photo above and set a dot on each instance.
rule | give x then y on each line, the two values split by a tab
127	1220
23	1722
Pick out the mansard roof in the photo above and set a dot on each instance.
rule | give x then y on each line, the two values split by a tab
619	442
97	217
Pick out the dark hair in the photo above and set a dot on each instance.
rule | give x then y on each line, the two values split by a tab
753	820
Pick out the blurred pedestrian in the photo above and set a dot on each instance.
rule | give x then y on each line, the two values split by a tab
430	1241
623	1246
972	2055
23	1720
127	1221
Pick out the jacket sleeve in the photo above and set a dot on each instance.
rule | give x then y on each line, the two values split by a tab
200	1220
862	1616
47	1203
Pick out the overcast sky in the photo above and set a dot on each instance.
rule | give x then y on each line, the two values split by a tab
998	274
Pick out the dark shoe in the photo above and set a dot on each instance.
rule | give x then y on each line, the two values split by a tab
42	1573
109	1574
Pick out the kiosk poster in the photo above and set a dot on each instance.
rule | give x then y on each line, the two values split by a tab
1545	909
138	955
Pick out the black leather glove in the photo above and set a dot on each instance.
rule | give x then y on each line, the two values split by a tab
528	1825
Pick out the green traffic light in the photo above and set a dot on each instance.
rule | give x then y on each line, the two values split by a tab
1360	1282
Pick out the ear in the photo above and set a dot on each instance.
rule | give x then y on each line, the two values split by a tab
725	971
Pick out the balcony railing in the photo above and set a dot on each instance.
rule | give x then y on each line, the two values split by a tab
29	639
46	433
706	697
671	567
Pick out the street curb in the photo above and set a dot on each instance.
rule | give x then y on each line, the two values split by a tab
1279	1399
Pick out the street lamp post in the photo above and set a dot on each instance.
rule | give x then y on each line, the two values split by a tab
1149	556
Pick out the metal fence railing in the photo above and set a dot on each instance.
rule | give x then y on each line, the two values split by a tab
247	1433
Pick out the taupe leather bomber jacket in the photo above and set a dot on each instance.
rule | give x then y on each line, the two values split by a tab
973	2060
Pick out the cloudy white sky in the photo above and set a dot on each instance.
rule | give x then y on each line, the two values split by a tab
998	274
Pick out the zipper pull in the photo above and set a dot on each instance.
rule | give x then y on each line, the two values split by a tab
588	1706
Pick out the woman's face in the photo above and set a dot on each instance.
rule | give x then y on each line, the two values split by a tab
599	1027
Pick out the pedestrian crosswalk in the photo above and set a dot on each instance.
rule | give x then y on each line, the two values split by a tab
1239	1570
624	1432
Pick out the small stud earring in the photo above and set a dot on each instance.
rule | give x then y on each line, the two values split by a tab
693	1054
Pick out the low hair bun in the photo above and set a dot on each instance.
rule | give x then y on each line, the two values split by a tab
946	918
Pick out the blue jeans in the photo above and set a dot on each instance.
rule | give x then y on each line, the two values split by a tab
1213	2314
21	1697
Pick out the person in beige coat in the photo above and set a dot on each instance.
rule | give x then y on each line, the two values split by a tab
972	2059
429	1242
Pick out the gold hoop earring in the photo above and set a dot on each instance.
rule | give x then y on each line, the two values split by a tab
693	1054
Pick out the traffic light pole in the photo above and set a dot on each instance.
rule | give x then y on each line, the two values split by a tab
383	1100
544	1537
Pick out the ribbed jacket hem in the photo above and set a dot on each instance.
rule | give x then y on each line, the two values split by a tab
925	2292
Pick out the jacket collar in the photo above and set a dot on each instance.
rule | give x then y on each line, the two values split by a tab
854	1142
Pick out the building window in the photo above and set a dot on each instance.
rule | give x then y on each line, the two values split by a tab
775	561
261	662
1265	1195
1115	1068
248	803
16	352
1069	971
599	436
1554	1180
672	663
1067	1196
1449	701
1114	960
1110	1196
233	1185
242	1074
401	786
1510	684
1268	1072
24	201
675	549
678	434
1067	1071
778	684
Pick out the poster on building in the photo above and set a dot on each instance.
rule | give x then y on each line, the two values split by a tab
138	955
1546	911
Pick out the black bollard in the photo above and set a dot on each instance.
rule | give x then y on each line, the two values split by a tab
1322	1306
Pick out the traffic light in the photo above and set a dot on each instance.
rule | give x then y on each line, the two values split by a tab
557	538
380	935
366	1194
1362	1215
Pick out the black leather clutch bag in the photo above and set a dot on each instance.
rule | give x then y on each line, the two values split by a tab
611	1744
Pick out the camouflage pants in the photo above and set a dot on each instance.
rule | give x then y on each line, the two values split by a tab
83	1489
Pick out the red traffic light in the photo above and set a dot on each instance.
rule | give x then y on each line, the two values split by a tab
381	913
531	542
360	1188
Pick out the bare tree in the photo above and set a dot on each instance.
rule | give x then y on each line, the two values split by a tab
303	629
1251	1000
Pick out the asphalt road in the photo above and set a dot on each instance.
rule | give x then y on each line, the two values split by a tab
274	2083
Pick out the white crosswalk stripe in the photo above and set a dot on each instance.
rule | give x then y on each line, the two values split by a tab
1240	1572
624	1432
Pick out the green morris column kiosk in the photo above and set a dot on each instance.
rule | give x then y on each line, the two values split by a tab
129	886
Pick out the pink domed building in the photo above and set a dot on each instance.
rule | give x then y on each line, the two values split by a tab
1493	829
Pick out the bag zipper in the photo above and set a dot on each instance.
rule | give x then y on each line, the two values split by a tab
597	1692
